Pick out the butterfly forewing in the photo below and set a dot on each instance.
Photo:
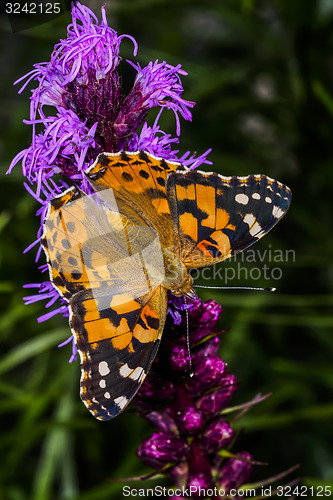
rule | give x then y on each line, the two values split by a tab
138	180
215	217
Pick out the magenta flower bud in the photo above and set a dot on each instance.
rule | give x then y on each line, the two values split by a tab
190	420
217	436
207	375
207	349
179	358
205	318
214	402
197	483
162	448
235	472
211	312
162	421
154	391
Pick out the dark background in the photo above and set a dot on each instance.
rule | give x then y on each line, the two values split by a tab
261	73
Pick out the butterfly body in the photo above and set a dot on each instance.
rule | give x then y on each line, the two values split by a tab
114	255
177	278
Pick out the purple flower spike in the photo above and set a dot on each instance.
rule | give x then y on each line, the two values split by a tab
217	436
162	448
235	472
192	416
190	420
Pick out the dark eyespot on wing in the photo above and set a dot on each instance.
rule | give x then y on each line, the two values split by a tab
127	176
144	174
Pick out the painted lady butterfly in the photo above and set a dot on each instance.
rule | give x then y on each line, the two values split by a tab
114	255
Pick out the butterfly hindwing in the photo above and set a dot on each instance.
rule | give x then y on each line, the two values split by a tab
215	217
117	346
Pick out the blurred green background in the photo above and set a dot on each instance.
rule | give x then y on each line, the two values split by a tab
261	73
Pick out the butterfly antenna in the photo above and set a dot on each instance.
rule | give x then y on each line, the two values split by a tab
191	372
267	289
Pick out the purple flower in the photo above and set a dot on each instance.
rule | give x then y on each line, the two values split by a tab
217	435
159	84
162	448
236	471
207	375
179	357
80	109
162	421
198	483
213	402
93	113
190	420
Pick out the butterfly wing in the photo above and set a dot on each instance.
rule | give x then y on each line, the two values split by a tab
117	346
138	180
215	217
109	269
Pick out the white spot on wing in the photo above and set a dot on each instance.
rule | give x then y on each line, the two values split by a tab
121	402
135	374
107	395
102	384
268	199
255	229
103	368
249	219
254	226
277	212
125	370
242	198
256	196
